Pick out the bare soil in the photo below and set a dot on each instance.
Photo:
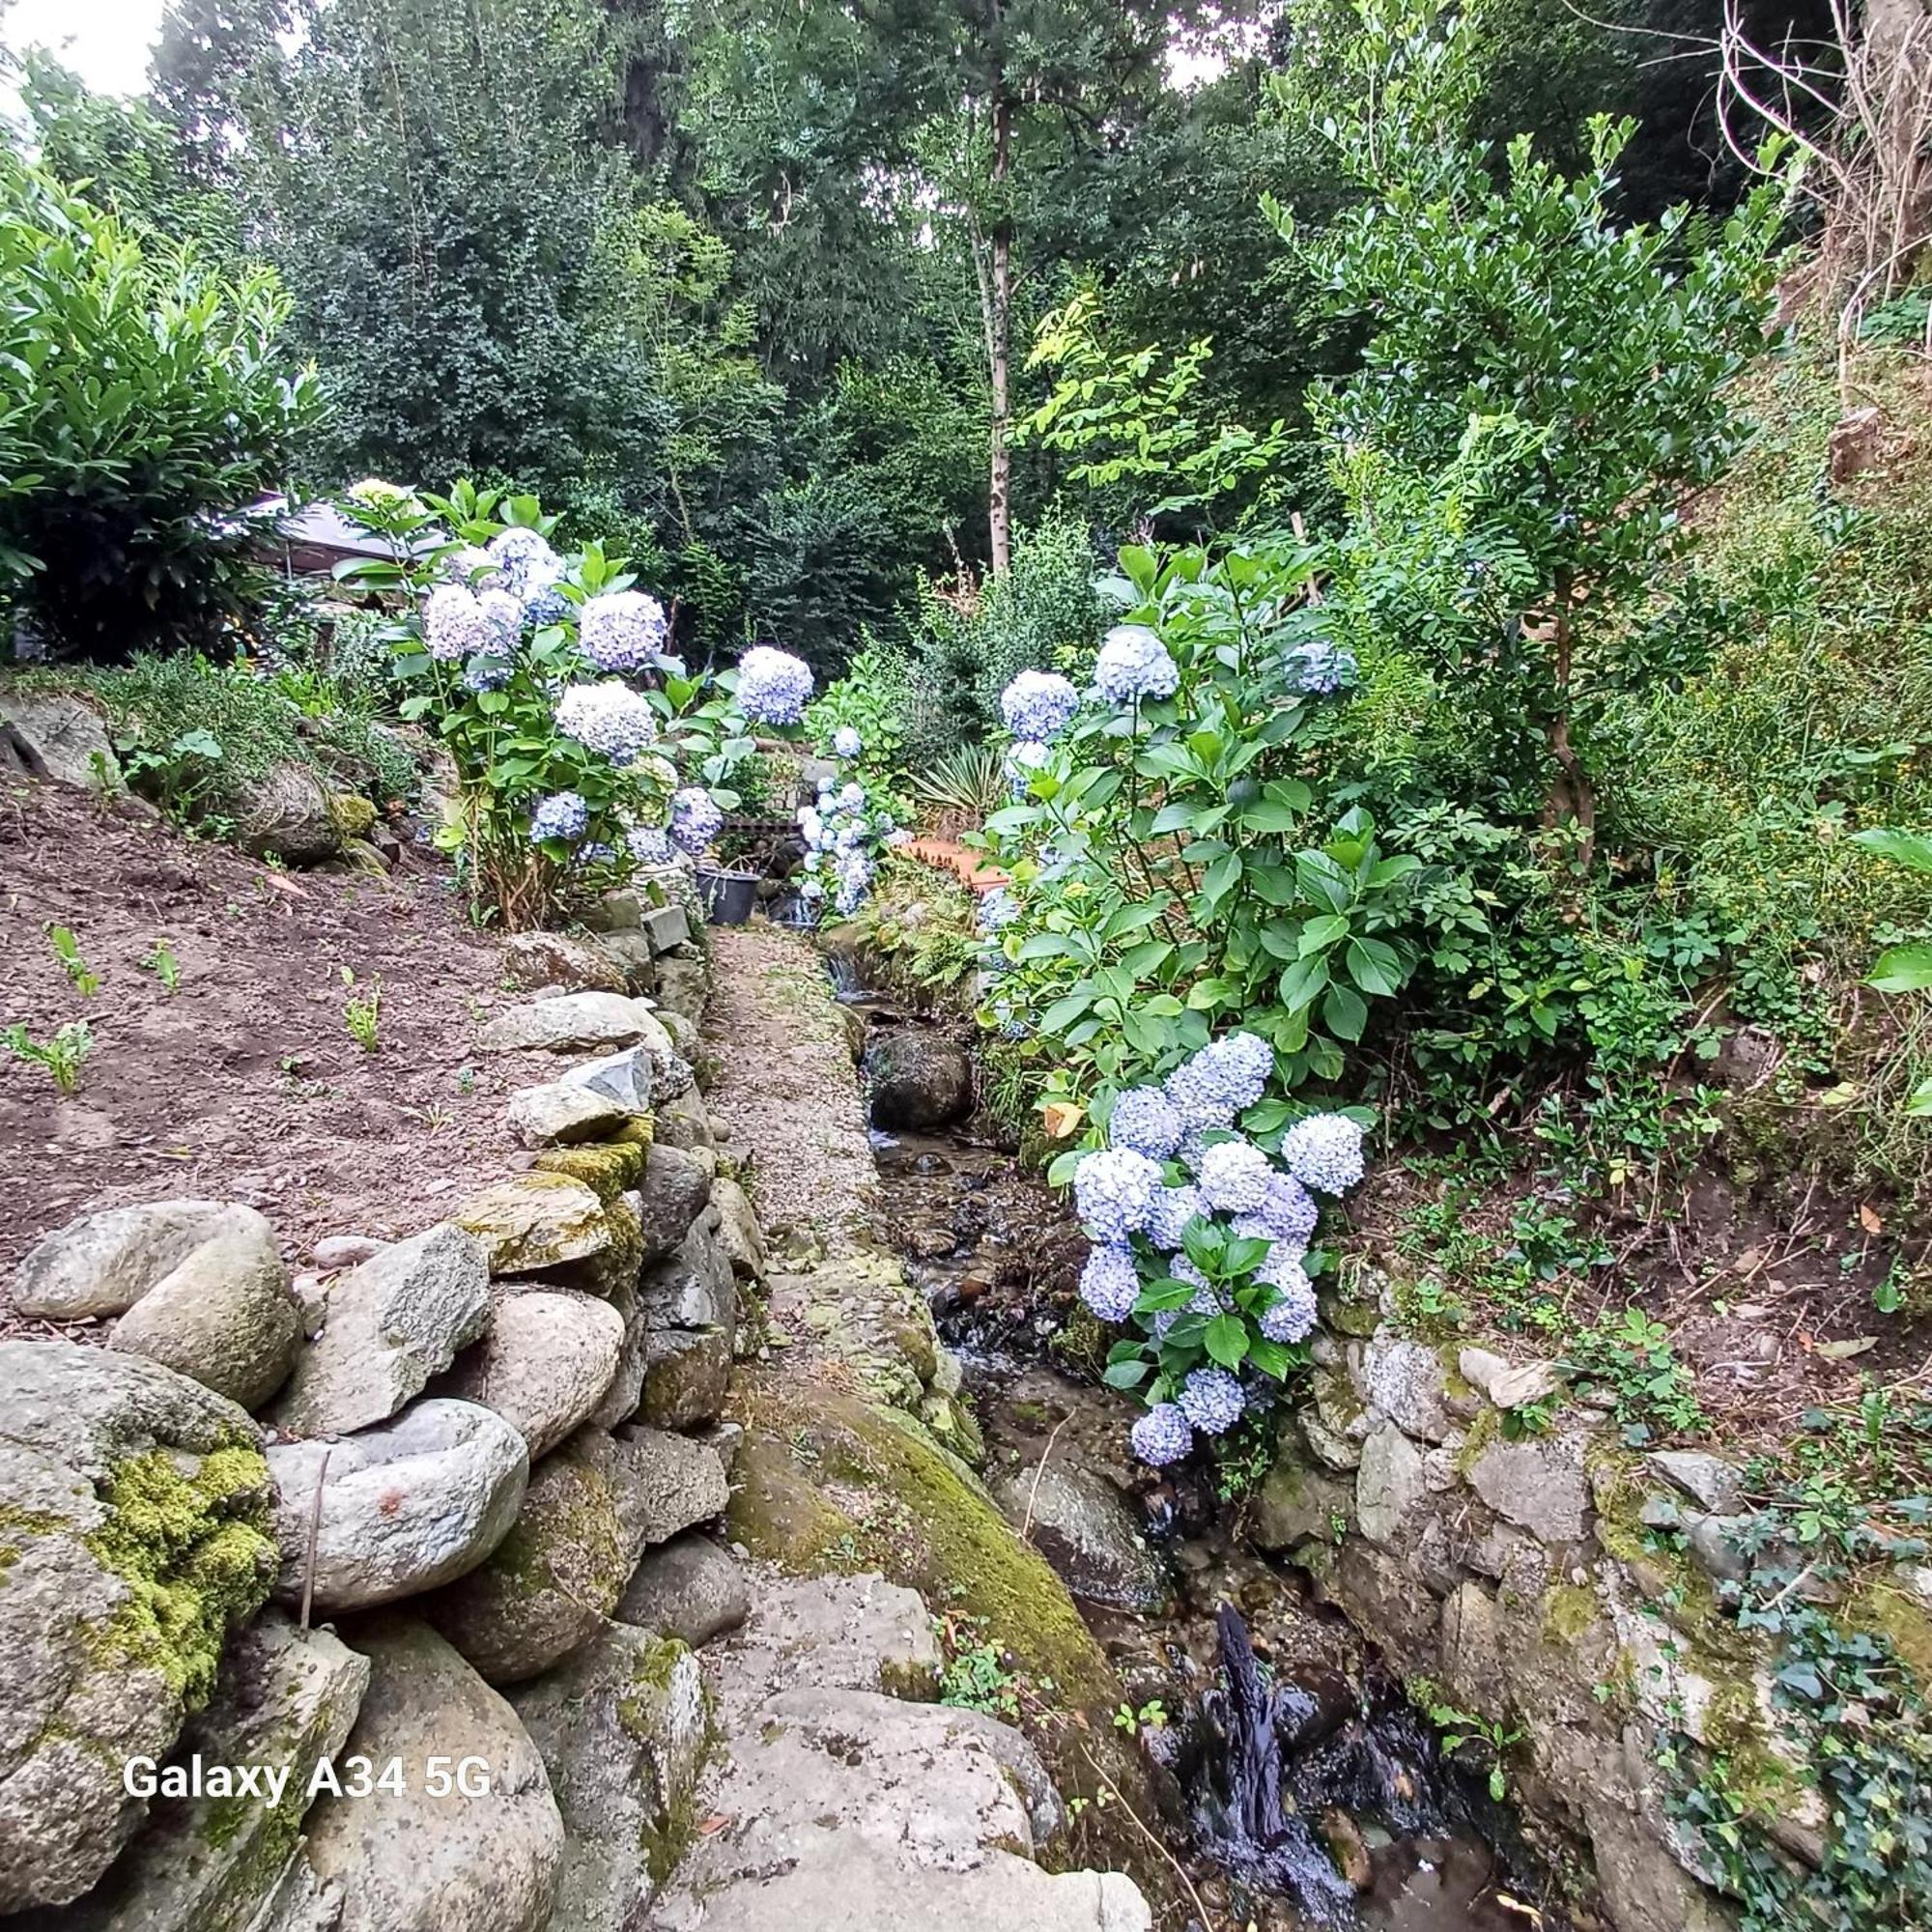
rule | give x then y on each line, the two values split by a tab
243	1084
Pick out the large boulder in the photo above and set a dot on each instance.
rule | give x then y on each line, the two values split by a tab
558	1114
286	1699
225	1316
137	1512
536	1221
390	1325
691	1588
556	1575
621	1728
623	1076
402	1507
103	1263
547	1362
671	1195
1081	1523
686	1374
484	1858
58	736
684	1121
920	1080
571	1023
287	813
551	959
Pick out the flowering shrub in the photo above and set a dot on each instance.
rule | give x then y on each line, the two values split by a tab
582	748
844	831
1201	1239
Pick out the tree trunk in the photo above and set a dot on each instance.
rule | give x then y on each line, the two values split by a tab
1571	794
999	323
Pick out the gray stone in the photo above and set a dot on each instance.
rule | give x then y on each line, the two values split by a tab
621	1728
690	1588
919	1080
536	1221
390	1325
545	1365
558	1114
1474	1670
1337	1452
90	1680
103	1263
671	1195
623	1077
666	926
404	1507
299	1901
334	1252
683	1122
1539	1485
631	953
551	1582
619	910
1081	1523
743	1240
226	1315
687	1373
1389	1485
849	1632
1404	1380
626	1385
1715	1485
1714	1546
684	983
1299	1504
284	1701
695	1287
550	959
664	1484
287	813
569	1023
58	736
1507	1384
414	1861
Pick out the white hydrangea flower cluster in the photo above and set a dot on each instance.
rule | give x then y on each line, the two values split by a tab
608	717
1133	666
842	832
1039	706
695	819
774	687
621	630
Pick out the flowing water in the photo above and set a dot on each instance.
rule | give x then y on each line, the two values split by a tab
1305	1789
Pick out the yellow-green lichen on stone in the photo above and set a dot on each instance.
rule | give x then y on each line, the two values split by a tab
605	1167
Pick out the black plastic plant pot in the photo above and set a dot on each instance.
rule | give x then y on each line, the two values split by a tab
727	896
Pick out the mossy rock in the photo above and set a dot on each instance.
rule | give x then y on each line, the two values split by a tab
605	1167
353	814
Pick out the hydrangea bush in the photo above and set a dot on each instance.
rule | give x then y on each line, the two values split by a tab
583	750
845	829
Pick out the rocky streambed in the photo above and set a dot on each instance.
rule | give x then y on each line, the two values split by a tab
1298	1785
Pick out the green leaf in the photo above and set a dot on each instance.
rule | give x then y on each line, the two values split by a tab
1125	1375
1904	969
1908	848
1064	1011
1301	982
1345	1012
1374	966
1227	1340
1318	934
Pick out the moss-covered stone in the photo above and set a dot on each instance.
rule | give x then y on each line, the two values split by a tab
352	815
1885	1606
197	1553
605	1167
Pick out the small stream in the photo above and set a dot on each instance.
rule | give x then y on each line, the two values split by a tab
1307	1790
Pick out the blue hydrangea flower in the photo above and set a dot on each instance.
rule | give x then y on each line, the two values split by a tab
1212	1401
695	819
563	814
774	687
1133	665
1291	1316
503	619
621	630
650	845
595	853
486	673
1324	1151
610	717
1317	668
1110	1284
1198	1092
1167	1220
549	605
1144	1120
1038	704
1244	1064
846	743
1289	1209
1161	1436
1114	1192
1234	1177
522	561
453	625
1024	758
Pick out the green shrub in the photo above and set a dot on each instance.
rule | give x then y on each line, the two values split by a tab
143	408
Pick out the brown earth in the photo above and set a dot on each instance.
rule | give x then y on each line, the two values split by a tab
244	1084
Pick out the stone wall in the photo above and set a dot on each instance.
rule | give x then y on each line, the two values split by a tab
1549	1580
